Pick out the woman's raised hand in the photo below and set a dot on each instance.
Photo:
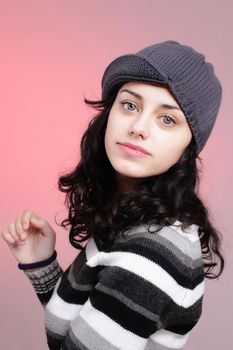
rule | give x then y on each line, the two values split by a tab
30	238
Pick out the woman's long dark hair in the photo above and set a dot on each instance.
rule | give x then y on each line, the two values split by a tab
97	208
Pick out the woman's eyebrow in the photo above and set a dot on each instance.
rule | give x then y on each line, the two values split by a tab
164	105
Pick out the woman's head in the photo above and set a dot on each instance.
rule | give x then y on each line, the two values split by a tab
166	73
184	71
145	115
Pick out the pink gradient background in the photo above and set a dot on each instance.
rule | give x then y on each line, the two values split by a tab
53	53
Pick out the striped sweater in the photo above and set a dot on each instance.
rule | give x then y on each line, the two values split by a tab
146	292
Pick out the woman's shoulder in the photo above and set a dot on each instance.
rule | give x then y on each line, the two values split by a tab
170	246
173	235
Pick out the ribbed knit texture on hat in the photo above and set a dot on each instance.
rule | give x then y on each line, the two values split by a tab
191	80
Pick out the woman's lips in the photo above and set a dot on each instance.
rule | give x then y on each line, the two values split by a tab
131	151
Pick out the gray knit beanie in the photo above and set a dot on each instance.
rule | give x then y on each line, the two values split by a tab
183	71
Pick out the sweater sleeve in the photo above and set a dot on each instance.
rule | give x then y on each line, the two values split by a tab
44	280
148	294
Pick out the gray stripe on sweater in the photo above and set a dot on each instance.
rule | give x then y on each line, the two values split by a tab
54	335
83	333
127	301
73	343
56	324
186	236
151	345
169	238
78	286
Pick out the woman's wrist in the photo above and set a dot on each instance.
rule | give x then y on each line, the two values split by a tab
35	265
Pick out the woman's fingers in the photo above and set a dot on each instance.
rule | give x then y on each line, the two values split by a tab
25	219
19	229
13	232
17	232
29	217
33	222
10	235
7	237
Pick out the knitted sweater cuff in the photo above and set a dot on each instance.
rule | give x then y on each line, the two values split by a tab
45	278
37	264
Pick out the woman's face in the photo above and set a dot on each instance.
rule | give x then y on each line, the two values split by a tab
147	116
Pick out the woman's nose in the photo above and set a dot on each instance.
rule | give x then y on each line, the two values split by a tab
140	127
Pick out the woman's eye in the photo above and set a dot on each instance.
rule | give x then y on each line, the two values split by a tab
168	120
129	106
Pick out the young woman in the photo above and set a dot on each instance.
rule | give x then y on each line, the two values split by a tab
138	281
